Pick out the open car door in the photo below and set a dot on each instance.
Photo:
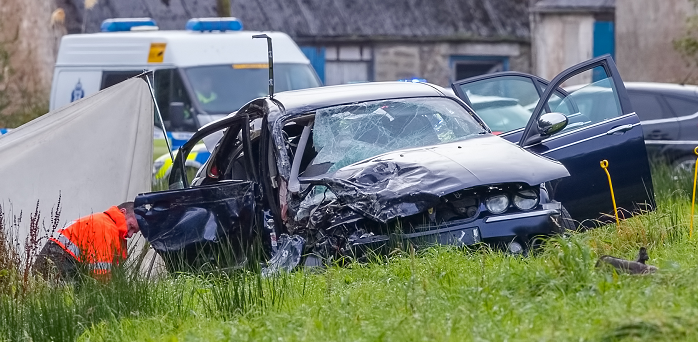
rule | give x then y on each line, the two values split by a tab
601	126
191	227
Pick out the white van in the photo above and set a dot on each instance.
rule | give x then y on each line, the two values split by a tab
201	74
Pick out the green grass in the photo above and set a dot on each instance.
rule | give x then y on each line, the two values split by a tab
438	294
159	148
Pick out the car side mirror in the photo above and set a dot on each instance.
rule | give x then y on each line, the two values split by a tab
177	114
548	124
551	123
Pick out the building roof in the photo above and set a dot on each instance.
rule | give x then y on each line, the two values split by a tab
388	19
331	20
169	14
574	6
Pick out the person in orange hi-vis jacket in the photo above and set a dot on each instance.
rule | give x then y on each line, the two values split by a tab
96	242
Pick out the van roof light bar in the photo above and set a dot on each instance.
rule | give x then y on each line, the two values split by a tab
214	24
128	24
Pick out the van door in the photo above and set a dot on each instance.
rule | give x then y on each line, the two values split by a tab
71	85
602	126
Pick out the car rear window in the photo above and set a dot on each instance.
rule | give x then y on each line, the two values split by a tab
681	106
647	106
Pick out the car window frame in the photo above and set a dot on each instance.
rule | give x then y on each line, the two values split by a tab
663	103
610	69
178	177
538	82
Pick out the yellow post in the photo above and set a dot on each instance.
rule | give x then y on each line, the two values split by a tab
604	166
693	199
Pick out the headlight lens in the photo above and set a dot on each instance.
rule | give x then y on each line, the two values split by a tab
526	199
497	204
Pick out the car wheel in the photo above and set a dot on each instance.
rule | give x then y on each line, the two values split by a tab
685	164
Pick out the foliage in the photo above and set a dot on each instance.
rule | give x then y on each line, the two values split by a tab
687	44
30	105
442	293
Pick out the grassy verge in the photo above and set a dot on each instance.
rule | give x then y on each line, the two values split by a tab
439	294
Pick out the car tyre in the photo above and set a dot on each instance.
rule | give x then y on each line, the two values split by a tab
685	164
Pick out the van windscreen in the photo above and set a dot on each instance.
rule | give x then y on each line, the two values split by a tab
222	89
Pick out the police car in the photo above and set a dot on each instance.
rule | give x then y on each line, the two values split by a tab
201	73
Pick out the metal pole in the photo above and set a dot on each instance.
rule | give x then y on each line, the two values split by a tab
271	62
157	109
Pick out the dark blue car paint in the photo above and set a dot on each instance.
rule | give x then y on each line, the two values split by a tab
192	226
586	193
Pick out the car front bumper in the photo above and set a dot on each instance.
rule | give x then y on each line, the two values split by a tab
522	225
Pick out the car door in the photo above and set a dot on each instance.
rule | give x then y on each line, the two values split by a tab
602	126
210	224
658	121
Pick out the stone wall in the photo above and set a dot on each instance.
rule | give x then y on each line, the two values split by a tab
644	33
561	40
432	61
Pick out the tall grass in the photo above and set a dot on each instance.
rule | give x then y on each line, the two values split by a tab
37	309
442	293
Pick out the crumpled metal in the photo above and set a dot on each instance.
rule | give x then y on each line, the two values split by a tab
407	182
287	257
199	223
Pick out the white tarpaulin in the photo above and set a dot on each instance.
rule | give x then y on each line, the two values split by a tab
96	153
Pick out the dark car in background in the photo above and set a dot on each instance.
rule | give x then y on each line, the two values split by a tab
669	117
339	170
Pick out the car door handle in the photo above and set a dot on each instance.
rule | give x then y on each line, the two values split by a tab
620	129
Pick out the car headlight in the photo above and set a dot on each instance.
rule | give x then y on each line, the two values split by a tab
526	199
497	204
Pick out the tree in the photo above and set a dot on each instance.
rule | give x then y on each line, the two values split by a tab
687	45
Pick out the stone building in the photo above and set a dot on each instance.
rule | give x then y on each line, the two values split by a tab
567	32
646	30
367	40
361	40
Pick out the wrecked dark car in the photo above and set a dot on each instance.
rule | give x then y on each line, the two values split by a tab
314	175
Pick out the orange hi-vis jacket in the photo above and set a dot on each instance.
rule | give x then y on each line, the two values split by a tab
97	240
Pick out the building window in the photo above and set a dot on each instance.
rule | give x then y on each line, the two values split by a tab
463	67
348	64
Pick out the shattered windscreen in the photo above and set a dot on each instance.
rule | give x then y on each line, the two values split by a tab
347	134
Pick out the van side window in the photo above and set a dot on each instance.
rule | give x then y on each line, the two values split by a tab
110	78
161	86
169	89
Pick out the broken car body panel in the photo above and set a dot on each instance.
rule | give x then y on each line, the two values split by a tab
354	166
406	182
196	226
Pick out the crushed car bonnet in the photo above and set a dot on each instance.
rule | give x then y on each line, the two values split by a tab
407	182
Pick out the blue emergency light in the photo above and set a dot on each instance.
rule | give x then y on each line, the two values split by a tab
414	80
126	24
214	24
